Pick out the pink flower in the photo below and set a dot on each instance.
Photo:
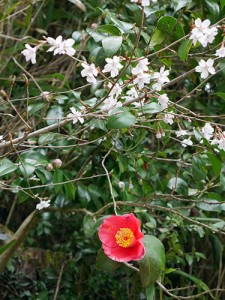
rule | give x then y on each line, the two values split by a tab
121	238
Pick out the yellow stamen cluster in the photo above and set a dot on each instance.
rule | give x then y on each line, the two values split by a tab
124	237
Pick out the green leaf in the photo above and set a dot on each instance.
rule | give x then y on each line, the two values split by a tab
184	49
216	163
153	262
111	44
213	7
150	292
54	115
222	4
88	226
199	282
179	185
122	118
157	37
152	108
7	167
221	95
178	4
6	246
198	169
171	27
110	29
103	262
222	177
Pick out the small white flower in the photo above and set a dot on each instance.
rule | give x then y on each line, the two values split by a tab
43	204
30	53
186	142
163	100
110	103
144	2
90	72
131	94
121	184
113	66
207	131
168	119
60	46
75	116
161	77
142	79
142	66
181	132
220	52
116	90
202	33
160	134
131	186
205	67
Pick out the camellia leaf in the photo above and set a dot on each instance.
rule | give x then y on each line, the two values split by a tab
103	262
153	262
88	226
170	26
122	118
184	49
179	185
178	4
111	44
6	167
222	4
110	29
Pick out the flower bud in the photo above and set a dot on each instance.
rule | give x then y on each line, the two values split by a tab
57	163
49	167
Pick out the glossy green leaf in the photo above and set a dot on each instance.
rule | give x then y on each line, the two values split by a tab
213	6
122	118
222	4
150	292
178	4
54	115
103	262
220	94
7	167
111	44
215	162
184	49
152	264
171	27
6	246
110	29
157	37
179	185
199	171
152	108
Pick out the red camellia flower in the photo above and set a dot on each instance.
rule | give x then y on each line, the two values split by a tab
121	238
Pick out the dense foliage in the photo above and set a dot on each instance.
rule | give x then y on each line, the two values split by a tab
78	145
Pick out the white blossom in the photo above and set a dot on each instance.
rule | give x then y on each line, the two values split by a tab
144	2
113	66
110	103
75	116
205	67
207	131
90	72
131	94
181	132
121	184
43	204
60	46
116	90
187	142
168	118
142	66
160	134
142	79
220	52
202	33
163	100
30	53
161	77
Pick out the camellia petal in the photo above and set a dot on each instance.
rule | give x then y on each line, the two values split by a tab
121	238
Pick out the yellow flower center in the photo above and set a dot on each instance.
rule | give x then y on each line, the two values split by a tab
125	237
